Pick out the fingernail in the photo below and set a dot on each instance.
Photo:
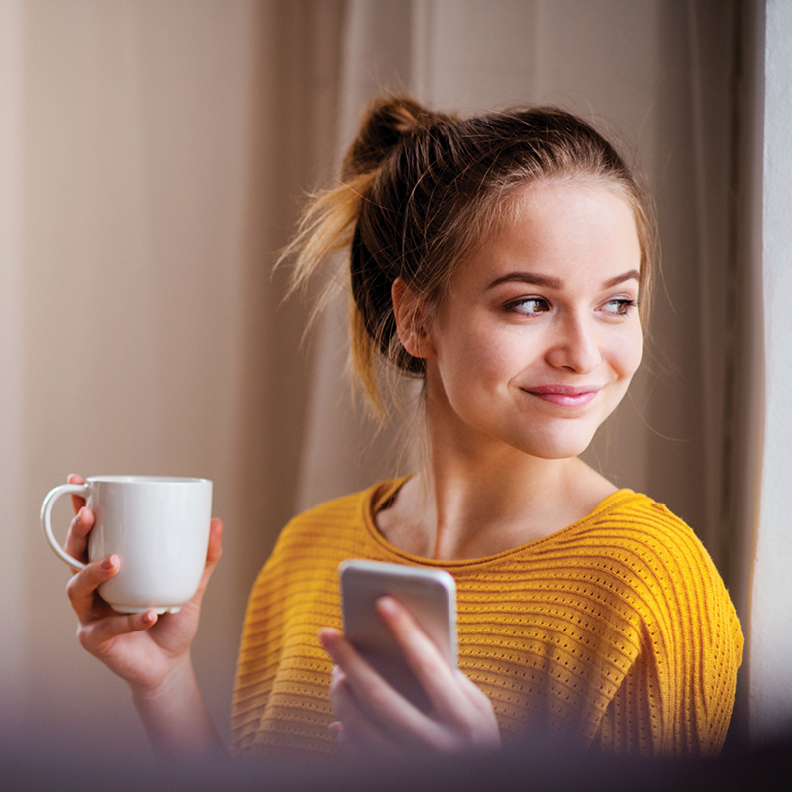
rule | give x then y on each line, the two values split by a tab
107	563
336	729
327	637
387	607
149	618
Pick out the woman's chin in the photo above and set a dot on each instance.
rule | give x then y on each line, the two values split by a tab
556	448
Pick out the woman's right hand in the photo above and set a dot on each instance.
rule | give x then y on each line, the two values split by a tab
142	648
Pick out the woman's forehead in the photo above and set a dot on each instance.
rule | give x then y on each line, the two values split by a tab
550	223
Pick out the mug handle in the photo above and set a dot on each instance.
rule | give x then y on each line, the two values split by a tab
46	519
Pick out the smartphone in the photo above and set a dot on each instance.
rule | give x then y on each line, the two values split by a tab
430	597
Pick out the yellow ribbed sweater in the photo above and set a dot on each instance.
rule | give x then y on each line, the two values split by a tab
616	630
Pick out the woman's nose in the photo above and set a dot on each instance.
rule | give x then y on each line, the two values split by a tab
574	346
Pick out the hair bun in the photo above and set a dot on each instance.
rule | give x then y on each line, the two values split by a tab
385	124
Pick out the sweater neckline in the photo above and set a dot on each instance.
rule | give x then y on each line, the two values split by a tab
379	494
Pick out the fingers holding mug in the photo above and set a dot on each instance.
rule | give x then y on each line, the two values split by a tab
214	551
82	589
77	501
77	538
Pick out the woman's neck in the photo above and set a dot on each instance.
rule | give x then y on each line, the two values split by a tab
471	506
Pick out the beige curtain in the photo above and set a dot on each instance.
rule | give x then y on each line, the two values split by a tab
158	152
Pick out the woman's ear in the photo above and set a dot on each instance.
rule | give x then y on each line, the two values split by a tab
411	320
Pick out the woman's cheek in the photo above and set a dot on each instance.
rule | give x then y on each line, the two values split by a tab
633	354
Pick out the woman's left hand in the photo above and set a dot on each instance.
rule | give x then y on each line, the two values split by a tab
373	717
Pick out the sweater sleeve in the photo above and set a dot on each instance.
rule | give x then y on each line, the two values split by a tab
677	697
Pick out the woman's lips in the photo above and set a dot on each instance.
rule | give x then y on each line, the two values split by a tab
565	395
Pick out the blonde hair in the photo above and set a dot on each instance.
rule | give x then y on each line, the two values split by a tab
420	191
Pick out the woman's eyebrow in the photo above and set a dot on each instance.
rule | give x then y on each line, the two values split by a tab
529	277
631	275
549	282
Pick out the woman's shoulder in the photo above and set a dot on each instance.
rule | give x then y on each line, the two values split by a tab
629	517
330	523
315	540
657	556
342	508
670	577
652	551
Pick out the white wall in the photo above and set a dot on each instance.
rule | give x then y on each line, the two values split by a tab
771	605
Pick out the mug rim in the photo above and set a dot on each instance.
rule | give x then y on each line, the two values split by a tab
144	480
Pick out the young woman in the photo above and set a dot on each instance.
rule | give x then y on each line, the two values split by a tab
506	261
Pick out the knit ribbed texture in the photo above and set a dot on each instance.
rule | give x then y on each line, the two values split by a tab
616	631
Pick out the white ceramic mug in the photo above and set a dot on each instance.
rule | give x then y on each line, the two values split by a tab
159	529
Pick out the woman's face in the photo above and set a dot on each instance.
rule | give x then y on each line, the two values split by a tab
540	335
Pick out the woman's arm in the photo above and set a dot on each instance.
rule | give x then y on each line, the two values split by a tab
176	718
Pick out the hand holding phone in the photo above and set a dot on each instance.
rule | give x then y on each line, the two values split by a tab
430	597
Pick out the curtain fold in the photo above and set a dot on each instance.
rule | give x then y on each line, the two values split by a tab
345	447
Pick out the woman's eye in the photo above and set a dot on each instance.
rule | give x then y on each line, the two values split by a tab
620	307
531	305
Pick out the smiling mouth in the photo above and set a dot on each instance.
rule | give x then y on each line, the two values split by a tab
564	395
